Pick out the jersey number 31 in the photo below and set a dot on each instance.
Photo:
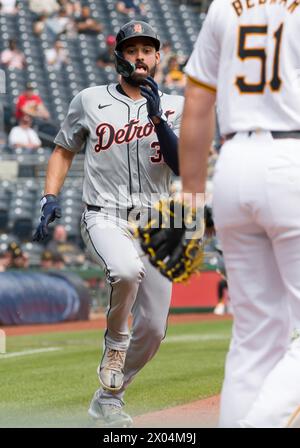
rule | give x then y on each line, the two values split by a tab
259	53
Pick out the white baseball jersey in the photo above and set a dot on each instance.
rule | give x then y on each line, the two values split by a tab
249	52
123	161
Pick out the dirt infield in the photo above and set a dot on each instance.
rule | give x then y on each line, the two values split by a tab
99	321
198	414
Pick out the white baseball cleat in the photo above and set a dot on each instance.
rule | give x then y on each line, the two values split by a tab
219	309
108	415
111	369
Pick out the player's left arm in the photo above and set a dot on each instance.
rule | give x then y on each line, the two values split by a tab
196	136
168	140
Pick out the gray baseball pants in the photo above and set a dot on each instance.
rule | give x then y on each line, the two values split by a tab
136	288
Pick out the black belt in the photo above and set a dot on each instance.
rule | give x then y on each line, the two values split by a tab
95	208
123	213
275	134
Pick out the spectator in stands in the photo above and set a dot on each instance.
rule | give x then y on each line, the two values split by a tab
106	57
43	7
52	260
175	76
57	56
18	258
46	260
70	252
31	104
39	25
9	7
12	57
20	261
86	24
58	261
131	8
60	24
73	7
23	136
5	258
166	53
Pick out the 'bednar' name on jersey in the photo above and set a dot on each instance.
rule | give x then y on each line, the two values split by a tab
108	135
241	6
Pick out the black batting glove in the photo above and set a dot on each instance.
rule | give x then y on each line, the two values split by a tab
50	210
152	97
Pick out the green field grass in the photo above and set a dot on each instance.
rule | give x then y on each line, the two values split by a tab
54	388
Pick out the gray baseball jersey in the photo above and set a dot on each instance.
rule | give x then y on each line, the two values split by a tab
123	159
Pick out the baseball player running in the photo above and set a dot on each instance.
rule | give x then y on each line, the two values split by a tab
129	133
246	59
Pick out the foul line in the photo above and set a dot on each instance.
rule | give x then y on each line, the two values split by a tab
197	337
169	339
29	352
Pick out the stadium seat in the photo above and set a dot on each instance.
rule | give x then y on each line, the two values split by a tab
22	227
34	251
3	218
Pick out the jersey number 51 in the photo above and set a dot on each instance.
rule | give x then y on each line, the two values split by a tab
259	53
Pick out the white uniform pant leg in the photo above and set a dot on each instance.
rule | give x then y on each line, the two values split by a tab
279	398
278	403
261	320
111	245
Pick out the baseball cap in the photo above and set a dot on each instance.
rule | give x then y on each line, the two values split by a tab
110	40
47	255
15	249
29	86
57	257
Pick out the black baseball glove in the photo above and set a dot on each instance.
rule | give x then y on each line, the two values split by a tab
173	239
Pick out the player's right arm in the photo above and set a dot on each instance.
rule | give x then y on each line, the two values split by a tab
57	170
70	140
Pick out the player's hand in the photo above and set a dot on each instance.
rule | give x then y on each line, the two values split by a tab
50	210
210	230
150	91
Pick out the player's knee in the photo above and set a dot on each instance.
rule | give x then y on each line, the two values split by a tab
155	329
157	334
130	273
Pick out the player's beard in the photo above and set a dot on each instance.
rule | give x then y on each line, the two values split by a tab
137	79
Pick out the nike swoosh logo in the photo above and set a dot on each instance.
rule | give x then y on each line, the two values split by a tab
102	107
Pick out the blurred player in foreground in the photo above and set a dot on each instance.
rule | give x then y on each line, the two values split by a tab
246	60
